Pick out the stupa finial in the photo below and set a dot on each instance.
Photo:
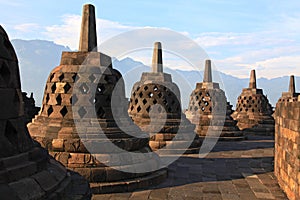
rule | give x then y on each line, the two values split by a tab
157	63
88	34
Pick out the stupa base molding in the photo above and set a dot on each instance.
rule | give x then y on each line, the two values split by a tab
130	185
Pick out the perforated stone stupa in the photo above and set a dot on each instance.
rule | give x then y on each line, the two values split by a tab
253	110
209	110
27	171
80	127
291	95
155	107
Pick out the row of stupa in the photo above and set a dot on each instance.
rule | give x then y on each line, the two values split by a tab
87	125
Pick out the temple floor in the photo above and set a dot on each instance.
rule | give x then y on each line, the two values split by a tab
232	170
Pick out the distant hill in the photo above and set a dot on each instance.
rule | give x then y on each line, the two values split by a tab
38	57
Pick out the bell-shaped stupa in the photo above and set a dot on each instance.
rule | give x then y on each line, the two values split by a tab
27	171
209	110
83	129
253	110
291	95
155	106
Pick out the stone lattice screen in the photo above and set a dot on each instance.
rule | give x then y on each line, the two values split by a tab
287	147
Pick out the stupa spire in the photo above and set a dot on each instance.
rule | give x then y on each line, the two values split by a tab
292	84
252	82
88	34
207	72
157	63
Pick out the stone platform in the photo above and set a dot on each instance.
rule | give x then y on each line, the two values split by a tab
233	170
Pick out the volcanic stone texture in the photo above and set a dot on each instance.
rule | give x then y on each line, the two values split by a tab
287	147
253	111
209	110
27	171
83	130
287	142
155	107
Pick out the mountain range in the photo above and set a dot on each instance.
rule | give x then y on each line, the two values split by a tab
38	57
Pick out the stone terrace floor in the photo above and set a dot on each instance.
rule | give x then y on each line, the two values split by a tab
233	170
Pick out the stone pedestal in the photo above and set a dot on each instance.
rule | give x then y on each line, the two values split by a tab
83	130
253	111
210	112
27	171
155	107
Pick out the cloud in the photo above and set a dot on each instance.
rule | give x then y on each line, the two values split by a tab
26	27
68	32
269	51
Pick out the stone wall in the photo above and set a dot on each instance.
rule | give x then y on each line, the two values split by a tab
287	147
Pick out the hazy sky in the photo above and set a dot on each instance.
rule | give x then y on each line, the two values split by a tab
237	35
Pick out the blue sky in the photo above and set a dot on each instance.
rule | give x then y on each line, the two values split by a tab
237	35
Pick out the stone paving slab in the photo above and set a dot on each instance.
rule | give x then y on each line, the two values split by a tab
233	170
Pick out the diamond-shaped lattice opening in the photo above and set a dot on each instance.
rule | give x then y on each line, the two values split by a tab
93	100
197	97
195	108
202	108
133	94
64	111
165	102
141	94
148	109
131	108
136	101
150	94
67	87
58	99
49	111
5	73
74	77
130	100
51	77
61	77
144	101
154	101
53	87
159	109
207	94
47	98
81	112
139	109
73	99
100	112
159	95
206	103
146	88
92	78
155	88
100	89
84	88
11	134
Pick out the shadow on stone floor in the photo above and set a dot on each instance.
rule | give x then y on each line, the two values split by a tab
187	170
252	142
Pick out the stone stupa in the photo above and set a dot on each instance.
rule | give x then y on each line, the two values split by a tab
291	95
27	171
80	127
209	110
155	106
253	110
